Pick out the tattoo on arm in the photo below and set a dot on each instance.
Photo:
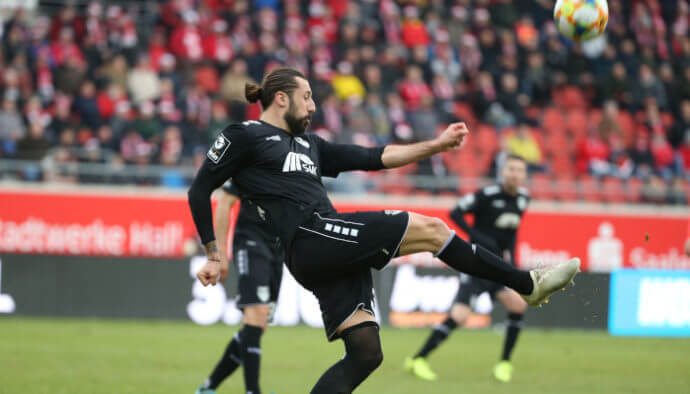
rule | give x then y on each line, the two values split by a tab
211	247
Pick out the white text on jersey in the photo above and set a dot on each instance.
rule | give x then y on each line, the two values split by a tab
298	162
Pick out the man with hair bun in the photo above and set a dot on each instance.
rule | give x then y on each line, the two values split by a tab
278	167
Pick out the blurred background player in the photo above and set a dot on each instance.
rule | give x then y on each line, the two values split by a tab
497	210
259	260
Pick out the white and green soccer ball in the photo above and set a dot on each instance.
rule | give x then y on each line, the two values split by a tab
581	20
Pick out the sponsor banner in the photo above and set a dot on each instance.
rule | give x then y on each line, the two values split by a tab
650	302
83	224
145	288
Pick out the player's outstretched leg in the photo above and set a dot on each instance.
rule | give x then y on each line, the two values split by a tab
516	306
432	235
418	364
362	356
227	364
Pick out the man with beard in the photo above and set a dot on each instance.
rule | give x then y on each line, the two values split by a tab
279	168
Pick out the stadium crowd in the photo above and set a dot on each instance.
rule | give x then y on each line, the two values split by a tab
153	81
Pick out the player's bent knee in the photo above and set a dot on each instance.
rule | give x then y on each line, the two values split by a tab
257	315
370	358
459	313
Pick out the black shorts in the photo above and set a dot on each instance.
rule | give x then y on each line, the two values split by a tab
332	257
473	287
260	266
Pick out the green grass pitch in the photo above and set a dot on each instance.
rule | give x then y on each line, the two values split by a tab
100	356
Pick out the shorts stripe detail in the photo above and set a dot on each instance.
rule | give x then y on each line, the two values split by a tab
338	220
328	236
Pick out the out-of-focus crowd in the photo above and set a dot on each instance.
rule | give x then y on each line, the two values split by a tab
152	82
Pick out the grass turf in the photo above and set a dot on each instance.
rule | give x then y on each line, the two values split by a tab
100	356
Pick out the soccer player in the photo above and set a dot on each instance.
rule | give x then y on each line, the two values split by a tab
279	167
497	210
259	259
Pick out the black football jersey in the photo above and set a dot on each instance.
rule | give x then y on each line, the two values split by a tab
251	219
279	172
497	214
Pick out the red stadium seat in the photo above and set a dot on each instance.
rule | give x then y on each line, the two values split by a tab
465	113
553	119
589	189
577	122
541	187
634	190
613	190
566	188
486	139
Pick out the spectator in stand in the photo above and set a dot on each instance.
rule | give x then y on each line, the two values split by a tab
143	82
219	119
185	41
346	84
617	87
535	82
641	155
664	160
681	127
654	191
12	127
592	153
413	88
424	120
146	123
34	145
414	31
218	46
523	143
86	105
649	85
676	193
116	71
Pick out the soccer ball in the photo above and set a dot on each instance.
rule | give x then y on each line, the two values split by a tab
581	20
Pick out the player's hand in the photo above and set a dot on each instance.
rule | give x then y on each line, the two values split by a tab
453	136
209	273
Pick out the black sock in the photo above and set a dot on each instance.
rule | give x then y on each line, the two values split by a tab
512	331
362	356
477	261
250	343
226	365
438	335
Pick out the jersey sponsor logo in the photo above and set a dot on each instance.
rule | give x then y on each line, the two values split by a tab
218	149
499	203
391	212
302	142
273	138
298	162
263	292
508	220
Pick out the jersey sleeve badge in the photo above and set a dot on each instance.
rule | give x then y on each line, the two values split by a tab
218	149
